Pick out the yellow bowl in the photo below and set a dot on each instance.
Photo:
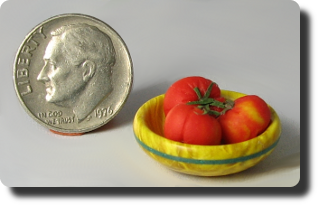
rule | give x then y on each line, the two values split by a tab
216	160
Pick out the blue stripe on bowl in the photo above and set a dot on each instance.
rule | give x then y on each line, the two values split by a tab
198	161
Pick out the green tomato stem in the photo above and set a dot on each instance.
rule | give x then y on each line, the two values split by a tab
197	91
208	92
204	103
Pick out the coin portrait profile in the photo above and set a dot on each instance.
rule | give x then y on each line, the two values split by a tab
72	73
77	70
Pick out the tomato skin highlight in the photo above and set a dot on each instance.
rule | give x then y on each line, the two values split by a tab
187	124
182	91
249	117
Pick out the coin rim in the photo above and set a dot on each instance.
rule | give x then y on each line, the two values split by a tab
82	130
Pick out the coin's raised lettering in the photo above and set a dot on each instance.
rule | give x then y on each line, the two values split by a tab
60	120
55	113
24	61
27	90
37	33
32	42
23	82
42	115
50	114
73	73
26	49
103	112
22	72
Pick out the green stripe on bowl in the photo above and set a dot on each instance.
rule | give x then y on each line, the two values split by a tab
198	161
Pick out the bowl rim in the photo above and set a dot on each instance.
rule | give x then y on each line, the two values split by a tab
274	123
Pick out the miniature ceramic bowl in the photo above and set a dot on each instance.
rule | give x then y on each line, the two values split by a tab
201	160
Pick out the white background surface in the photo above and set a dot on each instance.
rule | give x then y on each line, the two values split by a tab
246	46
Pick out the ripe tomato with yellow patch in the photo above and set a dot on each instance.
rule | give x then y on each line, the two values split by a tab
248	118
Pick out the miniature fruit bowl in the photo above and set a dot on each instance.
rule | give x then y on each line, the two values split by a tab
201	160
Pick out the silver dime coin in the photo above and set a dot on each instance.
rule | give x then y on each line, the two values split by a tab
73	73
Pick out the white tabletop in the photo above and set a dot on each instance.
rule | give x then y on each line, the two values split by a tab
247	46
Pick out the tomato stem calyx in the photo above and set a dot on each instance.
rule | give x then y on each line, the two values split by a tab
205	103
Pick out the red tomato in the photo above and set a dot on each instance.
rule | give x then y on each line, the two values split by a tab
249	117
183	91
187	124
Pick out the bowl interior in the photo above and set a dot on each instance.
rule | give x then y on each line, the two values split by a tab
148	128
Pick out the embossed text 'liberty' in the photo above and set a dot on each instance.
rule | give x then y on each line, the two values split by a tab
24	59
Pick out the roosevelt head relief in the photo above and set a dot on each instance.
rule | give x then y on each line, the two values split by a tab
77	70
